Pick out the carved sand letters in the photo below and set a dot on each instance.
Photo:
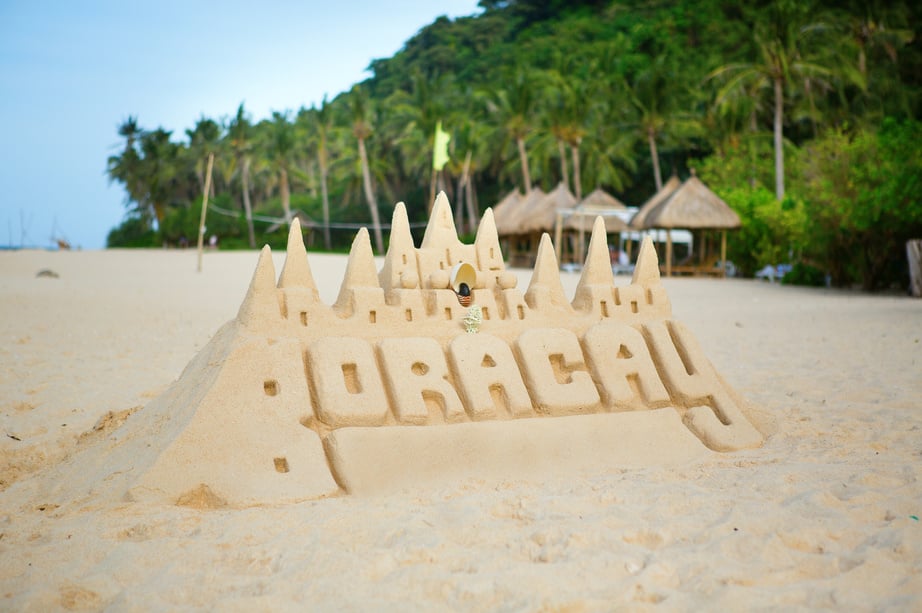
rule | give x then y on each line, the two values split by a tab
391	383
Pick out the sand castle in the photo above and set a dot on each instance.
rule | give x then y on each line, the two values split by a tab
397	382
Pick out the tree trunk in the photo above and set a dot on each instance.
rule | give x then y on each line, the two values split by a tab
577	180
370	197
561	149
657	176
326	202
914	253
523	158
247	206
779	137
285	192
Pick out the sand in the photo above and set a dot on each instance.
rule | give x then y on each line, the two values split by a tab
824	514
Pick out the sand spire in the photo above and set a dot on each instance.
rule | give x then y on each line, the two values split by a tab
646	270
360	269
296	271
486	243
441	228
597	269
261	304
400	262
545	288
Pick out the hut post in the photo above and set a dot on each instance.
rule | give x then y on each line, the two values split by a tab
723	253
558	234
669	253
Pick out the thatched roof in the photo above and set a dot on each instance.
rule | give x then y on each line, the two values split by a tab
600	199
541	214
595	204
693	205
581	220
504	211
517	219
638	221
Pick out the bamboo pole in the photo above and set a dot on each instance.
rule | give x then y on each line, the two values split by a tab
201	225
723	253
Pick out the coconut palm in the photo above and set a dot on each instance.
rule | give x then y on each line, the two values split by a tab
362	130
204	139
279	147
125	168
512	110
320	126
782	60
239	134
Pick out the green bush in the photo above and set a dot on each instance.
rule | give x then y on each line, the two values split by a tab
804	274
134	231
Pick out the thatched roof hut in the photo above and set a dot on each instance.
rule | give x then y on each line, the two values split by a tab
598	203
639	218
541	214
505	212
691	206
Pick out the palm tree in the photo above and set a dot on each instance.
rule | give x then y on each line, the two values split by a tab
513	109
782	61
279	147
362	130
159	172
657	94
321	125
239	133
204	139
126	167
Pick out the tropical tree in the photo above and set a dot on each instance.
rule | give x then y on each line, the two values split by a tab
204	139
512	109
320	121
279	147
125	168
783	59
362	130
239	134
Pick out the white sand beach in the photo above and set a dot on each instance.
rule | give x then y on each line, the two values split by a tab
825	515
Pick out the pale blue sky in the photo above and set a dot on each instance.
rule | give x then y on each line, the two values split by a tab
72	71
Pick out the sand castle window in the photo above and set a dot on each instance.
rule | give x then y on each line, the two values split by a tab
303	318
409	314
372	317
649	296
617	297
521	311
633	306
404	256
419	368
351	378
486	312
281	465
447	312
271	387
488	361
604	305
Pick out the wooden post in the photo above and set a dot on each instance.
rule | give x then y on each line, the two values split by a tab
668	253
723	253
558	233
914	253
201	225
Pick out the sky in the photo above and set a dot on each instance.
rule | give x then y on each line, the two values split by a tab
71	71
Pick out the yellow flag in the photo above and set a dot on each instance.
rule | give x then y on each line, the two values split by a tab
440	148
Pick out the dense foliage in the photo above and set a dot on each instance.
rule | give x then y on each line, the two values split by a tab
801	115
